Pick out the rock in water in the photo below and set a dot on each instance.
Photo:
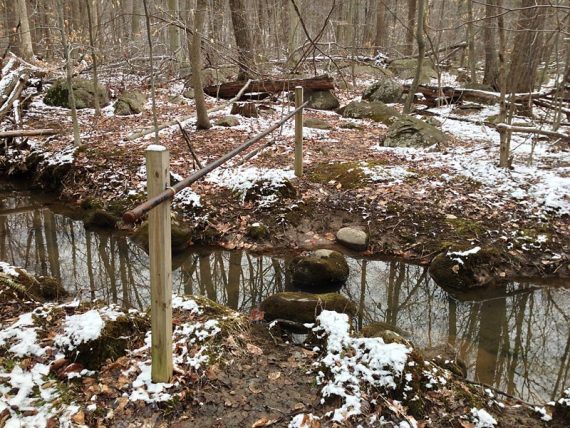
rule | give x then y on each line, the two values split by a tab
355	239
461	270
447	357
388	333
58	95
130	102
408	131
321	270
377	111
304	307
386	90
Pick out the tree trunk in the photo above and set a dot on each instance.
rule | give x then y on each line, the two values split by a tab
527	47
491	75
136	18
173	31
380	39
94	58
243	39
421	52
471	42
201	112
409	49
26	49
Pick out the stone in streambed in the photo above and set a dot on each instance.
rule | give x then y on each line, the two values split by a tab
462	270
303	307
100	218
352	238
321	270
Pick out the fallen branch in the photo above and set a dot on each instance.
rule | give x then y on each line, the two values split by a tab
528	130
28	132
174	122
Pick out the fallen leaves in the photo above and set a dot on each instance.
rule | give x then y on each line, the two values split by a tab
253	349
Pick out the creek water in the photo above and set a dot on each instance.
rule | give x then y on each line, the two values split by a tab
517	340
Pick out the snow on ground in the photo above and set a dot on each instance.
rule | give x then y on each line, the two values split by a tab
482	419
8	269
355	364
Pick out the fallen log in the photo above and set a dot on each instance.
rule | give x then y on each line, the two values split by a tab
529	130
28	132
14	94
230	89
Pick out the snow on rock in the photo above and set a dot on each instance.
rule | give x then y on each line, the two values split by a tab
187	198
79	329
355	363
8	269
482	419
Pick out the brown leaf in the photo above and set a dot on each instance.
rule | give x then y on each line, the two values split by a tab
254	389
255	350
274	375
264	421
256	314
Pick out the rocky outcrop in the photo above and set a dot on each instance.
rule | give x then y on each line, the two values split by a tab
316	123
388	333
447	357
322	100
303	307
408	131
130	102
376	111
58	95
321	270
227	121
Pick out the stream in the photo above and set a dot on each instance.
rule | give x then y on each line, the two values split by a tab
518	342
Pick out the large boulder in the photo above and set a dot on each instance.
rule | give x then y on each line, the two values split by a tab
461	270
321	270
406	69
408	131
305	307
352	238
58	95
323	100
385	90
376	110
130	102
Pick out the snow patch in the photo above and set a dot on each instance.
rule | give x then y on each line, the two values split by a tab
79	329
482	419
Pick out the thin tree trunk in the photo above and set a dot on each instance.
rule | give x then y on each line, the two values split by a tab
380	39
94	58
412	6
26	49
491	74
243	39
201	111
471	42
173	31
152	87
421	52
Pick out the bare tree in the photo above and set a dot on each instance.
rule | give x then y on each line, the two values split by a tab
421	53
491	74
201	112
26	49
243	39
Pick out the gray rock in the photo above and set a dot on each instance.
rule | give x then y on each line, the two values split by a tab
227	121
385	90
388	333
58	95
377	111
130	102
355	239
408	131
316	123
188	93
406	69
323	100
321	270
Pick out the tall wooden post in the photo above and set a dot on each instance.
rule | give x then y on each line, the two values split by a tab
299	132
158	179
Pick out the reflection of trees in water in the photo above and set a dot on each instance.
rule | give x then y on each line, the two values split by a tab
519	343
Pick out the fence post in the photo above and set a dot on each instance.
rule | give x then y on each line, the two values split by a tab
158	179
299	132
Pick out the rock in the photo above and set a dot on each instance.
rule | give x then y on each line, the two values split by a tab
461	270
352	238
385	90
408	131
188	93
350	125
227	121
38	287
258	231
304	307
100	218
323	100
316	123
387	332
561	411
181	237
130	102
377	111
406	69
446	357
321	270
58	95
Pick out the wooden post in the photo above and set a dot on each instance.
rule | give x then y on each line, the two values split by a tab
158	179
299	132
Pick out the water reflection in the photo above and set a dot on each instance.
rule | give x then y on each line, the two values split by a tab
519	343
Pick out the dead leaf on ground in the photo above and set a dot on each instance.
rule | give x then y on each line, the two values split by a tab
262	422
255	350
274	375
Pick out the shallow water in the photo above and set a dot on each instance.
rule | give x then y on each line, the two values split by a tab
518	341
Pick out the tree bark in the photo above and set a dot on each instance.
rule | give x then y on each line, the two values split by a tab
421	52
243	39
380	39
491	74
471	42
173	31
26	49
201	112
409	49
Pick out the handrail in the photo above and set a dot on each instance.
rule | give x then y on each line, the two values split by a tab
136	213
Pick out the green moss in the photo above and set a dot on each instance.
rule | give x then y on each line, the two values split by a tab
466	228
348	174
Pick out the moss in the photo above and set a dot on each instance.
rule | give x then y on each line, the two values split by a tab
466	228
100	218
348	174
91	203
258	231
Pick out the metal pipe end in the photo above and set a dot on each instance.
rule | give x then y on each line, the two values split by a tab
129	217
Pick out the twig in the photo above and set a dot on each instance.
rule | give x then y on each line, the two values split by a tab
187	139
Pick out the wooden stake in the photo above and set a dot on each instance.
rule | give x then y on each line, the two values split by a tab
299	132
158	179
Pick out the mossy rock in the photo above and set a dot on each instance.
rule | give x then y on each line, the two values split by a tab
113	342
258	231
350	125
99	218
388	333
376	111
462	270
319	271
322	100
385	90
180	237
304	307
316	123
446	356
227	121
348	174
408	131
406	69
188	93
26	286
130	102
58	95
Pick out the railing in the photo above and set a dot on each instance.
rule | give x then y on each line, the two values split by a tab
159	228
